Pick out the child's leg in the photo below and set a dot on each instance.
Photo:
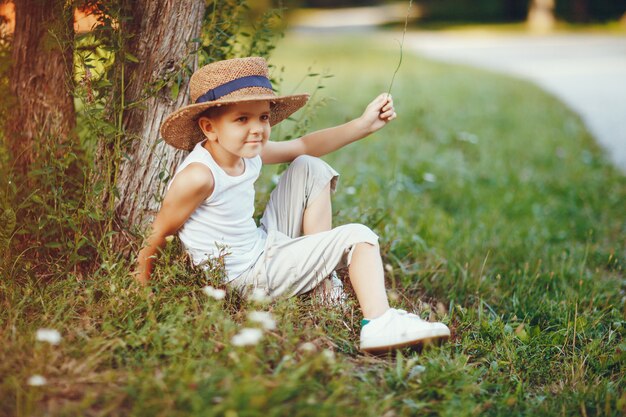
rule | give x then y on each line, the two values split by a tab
318	216
296	266
300	203
368	280
366	269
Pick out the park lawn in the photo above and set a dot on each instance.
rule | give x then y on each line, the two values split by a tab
497	214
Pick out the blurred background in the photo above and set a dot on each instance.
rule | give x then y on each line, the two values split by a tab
574	49
540	15
440	13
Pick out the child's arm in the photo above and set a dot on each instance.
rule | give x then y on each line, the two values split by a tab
377	114
191	186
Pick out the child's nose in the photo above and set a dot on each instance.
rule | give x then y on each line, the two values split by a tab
257	127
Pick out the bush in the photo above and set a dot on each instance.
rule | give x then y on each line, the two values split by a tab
475	11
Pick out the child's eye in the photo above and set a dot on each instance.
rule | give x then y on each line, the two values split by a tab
265	117
242	119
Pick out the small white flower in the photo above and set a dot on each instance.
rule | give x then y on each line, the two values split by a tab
263	317
429	177
307	347
275	178
169	238
393	295
467	137
350	190
37	381
247	337
388	268
48	335
214	292
259	296
329	355
416	370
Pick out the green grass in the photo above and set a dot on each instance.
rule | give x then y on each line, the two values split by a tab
497	214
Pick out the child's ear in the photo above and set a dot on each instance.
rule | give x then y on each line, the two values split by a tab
207	128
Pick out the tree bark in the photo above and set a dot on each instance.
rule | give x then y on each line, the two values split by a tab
162	31
541	16
580	10
40	78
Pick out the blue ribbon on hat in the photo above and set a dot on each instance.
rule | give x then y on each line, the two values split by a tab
234	85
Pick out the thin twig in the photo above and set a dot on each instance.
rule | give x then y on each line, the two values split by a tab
406	23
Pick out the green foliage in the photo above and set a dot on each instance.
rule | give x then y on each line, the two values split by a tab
517	10
46	228
586	11
475	11
229	32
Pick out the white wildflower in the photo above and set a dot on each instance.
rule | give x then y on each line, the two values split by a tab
393	295
214	292
307	347
263	317
467	137
37	381
259	296
48	335
350	190
247	337
329	355
169	238
275	179
388	268
416	370
429	177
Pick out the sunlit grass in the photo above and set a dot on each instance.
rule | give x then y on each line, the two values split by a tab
497	214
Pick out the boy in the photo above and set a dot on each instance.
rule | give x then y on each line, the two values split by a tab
210	200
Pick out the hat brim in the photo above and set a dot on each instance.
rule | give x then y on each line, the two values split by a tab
180	129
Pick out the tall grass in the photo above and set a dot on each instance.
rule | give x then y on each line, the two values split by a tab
497	214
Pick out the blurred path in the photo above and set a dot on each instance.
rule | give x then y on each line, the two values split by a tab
587	72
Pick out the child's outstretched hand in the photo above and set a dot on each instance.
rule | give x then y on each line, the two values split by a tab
378	113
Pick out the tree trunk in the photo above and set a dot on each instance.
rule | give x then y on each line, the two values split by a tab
580	11
541	16
40	77
162	31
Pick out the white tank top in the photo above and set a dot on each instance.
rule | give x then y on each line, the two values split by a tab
223	222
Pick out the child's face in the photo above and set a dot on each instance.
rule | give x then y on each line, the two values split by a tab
241	129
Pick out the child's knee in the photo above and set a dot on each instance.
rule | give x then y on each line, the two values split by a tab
359	233
314	170
309	163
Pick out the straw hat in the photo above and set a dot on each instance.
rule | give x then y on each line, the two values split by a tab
226	82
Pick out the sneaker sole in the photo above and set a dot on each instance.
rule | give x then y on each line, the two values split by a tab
378	350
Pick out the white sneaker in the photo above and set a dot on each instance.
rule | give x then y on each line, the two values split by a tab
396	329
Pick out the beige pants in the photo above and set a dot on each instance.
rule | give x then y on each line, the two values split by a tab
293	264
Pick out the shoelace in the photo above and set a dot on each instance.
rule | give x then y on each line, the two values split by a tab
405	313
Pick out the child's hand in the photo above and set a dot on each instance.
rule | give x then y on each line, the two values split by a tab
378	113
